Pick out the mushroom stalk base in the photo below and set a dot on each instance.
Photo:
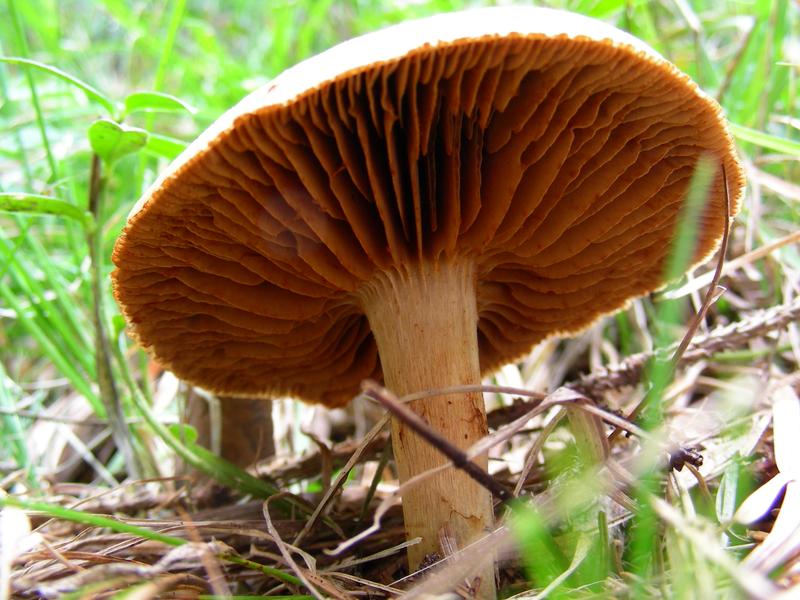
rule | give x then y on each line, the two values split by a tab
424	320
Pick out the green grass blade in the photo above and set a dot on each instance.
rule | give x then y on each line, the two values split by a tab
61	362
12	432
64	334
69	304
766	140
37	204
90	91
540	552
40	121
642	553
196	456
59	512
165	58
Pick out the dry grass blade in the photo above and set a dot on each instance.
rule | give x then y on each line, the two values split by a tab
786	425
352	561
213	569
734	264
444	575
783	541
781	186
535	449
284	549
182	558
339	480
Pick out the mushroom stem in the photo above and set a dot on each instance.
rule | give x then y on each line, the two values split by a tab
245	433
424	319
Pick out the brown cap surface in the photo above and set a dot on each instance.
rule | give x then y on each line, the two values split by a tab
551	149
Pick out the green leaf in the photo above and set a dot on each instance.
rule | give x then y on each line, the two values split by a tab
766	140
91	92
44	205
155	102
164	146
111	141
539	550
118	324
185	433
727	493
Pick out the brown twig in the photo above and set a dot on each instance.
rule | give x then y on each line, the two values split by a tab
534	408
421	428
629	371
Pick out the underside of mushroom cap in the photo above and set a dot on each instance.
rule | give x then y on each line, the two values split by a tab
553	151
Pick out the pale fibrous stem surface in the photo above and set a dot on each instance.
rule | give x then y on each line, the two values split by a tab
424	319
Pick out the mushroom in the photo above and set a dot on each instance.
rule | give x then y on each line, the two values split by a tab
254	415
443	194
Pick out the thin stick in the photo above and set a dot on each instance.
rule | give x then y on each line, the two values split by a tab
534	451
463	389
712	294
421	428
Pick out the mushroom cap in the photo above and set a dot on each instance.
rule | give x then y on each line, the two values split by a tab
553	150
